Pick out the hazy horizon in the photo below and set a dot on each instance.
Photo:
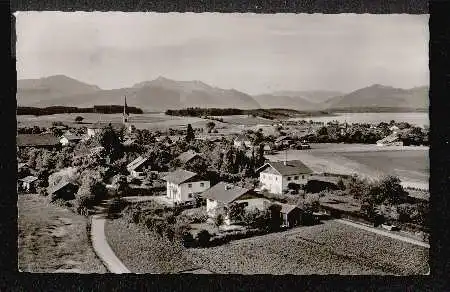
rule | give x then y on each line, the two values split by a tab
251	53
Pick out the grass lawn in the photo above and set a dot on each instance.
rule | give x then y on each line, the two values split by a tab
53	239
143	251
329	248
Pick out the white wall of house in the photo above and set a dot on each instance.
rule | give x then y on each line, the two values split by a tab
64	141
185	191
271	182
92	132
213	207
276	184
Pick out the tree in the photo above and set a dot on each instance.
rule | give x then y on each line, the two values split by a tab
110	140
203	237
357	187
218	220
322	131
236	212
210	126
79	119
190	135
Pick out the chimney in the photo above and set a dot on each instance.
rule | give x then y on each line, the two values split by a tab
227	187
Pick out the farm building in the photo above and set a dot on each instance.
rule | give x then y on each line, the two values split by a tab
68	139
242	141
275	176
182	185
283	141
28	184
63	190
138	166
129	142
47	141
188	157
222	194
290	215
391	140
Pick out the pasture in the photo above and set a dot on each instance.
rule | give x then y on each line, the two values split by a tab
328	248
53	239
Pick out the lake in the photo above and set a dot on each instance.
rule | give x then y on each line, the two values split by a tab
414	118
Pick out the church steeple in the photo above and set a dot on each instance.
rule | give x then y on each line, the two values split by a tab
125	111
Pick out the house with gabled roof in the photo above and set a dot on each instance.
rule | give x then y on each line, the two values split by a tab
221	195
189	157
183	185
138	166
275	176
242	141
63	190
391	140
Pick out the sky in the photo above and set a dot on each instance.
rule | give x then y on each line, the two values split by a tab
253	53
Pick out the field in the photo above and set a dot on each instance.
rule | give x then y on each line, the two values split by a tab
329	248
410	164
144	252
53	239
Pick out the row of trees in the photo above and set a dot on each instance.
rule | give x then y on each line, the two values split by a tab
104	109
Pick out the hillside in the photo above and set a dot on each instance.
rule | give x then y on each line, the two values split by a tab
288	102
158	94
37	91
313	96
379	96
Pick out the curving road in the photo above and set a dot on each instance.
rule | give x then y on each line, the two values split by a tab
102	248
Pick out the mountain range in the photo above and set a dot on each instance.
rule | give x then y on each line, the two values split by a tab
162	93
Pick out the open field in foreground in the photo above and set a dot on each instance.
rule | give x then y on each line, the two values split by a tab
329	248
410	164
142	251
53	239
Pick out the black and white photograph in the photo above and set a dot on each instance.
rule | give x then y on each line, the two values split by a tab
213	143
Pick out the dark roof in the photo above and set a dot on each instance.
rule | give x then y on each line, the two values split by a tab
36	140
224	192
58	186
291	167
187	156
328	179
179	176
29	179
100	125
137	162
286	208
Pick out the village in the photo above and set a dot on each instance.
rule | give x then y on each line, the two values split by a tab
203	189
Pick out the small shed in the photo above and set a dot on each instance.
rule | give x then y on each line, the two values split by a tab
63	190
290	215
28	184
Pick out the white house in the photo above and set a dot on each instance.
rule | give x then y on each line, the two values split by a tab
241	141
275	176
182	185
221	195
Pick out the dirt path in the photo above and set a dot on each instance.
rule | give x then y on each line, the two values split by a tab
101	246
384	233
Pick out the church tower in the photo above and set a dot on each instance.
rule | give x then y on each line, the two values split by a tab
125	112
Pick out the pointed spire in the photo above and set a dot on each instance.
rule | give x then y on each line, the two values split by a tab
125	111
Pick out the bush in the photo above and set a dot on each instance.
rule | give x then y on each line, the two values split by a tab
203	238
116	206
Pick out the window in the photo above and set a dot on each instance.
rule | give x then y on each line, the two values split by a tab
303	176
189	185
202	185
288	178
276	178
190	195
296	177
